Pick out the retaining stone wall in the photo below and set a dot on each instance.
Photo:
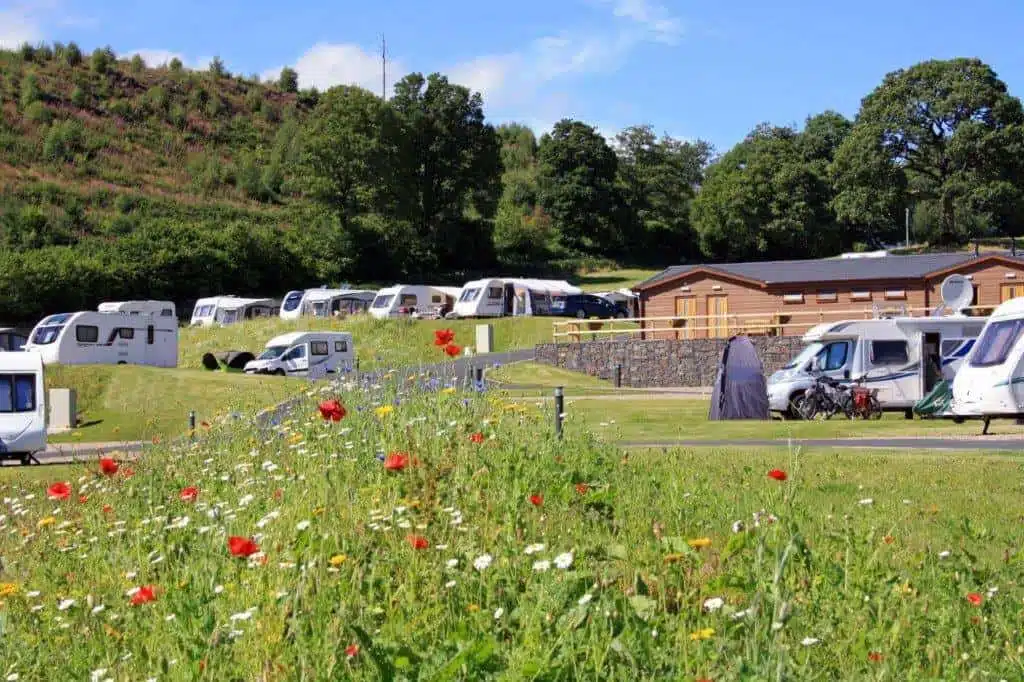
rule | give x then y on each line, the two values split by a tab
661	363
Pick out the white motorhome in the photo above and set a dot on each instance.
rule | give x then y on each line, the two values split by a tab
904	358
159	308
22	406
312	354
991	382
332	302
230	309
93	338
510	296
412	300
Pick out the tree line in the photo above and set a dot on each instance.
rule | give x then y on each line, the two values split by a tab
421	186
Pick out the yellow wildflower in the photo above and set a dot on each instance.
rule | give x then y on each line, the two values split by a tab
448	391
698	543
706	633
472	608
337	560
672	558
7	589
384	410
46	522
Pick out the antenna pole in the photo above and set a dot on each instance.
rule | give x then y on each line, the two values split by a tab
383	67
907	223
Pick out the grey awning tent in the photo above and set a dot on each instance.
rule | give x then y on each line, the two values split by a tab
740	390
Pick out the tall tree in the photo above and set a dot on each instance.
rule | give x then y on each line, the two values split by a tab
944	130
577	187
452	166
659	178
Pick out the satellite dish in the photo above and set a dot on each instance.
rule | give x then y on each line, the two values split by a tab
957	293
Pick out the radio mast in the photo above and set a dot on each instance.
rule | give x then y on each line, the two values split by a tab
383	68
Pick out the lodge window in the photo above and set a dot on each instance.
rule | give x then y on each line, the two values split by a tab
793	298
895	294
860	296
87	333
827	297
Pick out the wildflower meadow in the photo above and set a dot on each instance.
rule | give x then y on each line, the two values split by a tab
411	530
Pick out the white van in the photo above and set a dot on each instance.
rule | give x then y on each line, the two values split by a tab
902	357
991	382
404	300
516	296
312	354
332	302
94	338
22	406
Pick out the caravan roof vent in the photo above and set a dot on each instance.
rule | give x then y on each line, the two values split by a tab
957	293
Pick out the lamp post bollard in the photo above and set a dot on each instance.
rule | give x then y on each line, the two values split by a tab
478	377
559	406
618	376
192	424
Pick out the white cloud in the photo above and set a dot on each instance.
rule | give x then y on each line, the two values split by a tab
328	64
653	18
18	26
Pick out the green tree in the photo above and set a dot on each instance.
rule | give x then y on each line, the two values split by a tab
138	64
943	131
72	54
451	170
30	92
78	97
577	187
289	80
175	65
217	68
102	59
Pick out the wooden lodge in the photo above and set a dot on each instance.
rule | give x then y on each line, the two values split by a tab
786	298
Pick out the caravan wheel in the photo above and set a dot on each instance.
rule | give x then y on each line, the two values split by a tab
278	372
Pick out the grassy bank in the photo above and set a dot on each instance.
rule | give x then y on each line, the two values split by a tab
515	557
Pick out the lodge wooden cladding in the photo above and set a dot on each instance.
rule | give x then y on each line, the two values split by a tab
716	301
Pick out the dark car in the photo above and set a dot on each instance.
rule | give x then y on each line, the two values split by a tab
587	305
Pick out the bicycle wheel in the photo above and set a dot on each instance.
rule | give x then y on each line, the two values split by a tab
874	408
809	408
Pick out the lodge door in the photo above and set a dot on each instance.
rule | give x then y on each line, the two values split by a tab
686	313
718	316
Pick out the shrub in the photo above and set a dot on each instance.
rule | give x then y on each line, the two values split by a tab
78	97
30	92
126	203
217	69
178	117
253	100
72	54
37	112
63	141
289	80
175	65
44	53
122	108
156	99
215	106
309	97
138	64
100	61
28	53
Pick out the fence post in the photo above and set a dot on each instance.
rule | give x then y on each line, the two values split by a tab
618	376
192	424
478	376
559	406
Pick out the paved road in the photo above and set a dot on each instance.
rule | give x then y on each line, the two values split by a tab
68	453
925	443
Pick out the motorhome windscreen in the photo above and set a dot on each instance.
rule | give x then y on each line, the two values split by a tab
803	356
469	295
383	301
17	393
292	301
272	352
996	343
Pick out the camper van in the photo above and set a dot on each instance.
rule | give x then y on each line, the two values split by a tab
500	297
991	382
332	302
414	301
230	309
904	358
312	354
93	338
22	406
158	308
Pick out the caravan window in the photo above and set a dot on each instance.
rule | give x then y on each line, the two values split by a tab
126	333
408	299
383	301
889	353
205	310
435	299
833	356
17	392
495	293
341	346
87	333
318	348
167	312
469	295
996	343
45	335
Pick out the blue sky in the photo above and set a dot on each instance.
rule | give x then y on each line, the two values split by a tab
711	70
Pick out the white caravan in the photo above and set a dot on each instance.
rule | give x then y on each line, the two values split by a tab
22	406
904	358
499	297
333	302
230	309
159	308
293	302
412	300
312	354
94	338
991	382
205	311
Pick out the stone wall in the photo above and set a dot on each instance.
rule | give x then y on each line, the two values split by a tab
661	363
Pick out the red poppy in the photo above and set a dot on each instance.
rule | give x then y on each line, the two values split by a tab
107	509
145	594
205	424
875	656
82	499
452	351
332	410
352	650
278	493
443	337
417	541
396	461
59	491
777	474
582	488
975	599
477	438
536	500
242	547
189	494
108	466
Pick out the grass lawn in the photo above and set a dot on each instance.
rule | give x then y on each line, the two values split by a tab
538	374
608	280
379	343
511	556
130	402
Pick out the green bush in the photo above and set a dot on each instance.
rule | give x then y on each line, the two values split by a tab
253	100
289	80
101	60
72	54
30	92
37	112
138	64
78	97
63	141
175	66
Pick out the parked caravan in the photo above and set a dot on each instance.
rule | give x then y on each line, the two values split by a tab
12	339
904	358
22	406
501	297
293	302
991	382
333	302
412	300
204	313
233	309
102	338
159	308
312	354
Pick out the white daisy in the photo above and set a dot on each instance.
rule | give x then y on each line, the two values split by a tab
482	562
809	641
585	599
712	604
302	525
533	549
564	560
498	613
541	566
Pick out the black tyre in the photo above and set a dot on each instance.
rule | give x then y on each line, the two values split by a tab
795	402
580	314
278	372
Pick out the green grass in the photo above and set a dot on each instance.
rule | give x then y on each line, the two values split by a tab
607	280
127	402
865	580
537	374
379	343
